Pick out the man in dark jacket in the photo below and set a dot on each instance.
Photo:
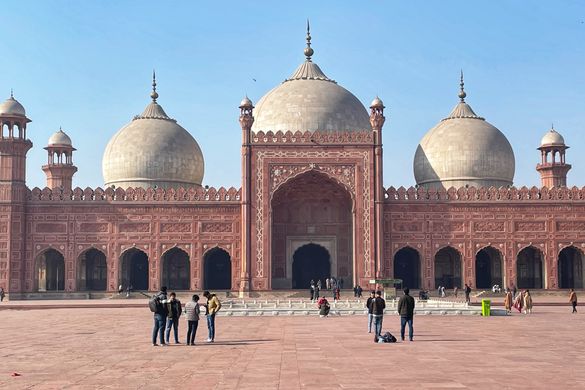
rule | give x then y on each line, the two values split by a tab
369	307
160	316
174	310
406	311
378	306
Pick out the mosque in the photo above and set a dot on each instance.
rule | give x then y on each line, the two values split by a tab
311	204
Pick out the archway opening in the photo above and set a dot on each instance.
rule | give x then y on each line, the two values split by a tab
92	271
51	271
217	270
310	262
488	268
176	269
407	267
134	270
311	207
571	268
448	268
529	268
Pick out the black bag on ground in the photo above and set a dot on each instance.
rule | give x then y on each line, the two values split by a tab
386	338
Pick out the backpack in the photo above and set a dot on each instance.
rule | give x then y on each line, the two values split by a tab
154	303
387	338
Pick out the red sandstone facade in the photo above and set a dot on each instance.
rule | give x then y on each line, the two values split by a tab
297	189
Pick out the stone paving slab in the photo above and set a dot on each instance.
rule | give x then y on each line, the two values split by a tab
110	349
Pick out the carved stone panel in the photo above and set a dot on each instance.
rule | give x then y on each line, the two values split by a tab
45	227
175	227
489	226
134	228
216	227
97	227
529	226
571	226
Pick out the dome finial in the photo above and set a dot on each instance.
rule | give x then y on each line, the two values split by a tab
11	93
462	93
308	50
154	94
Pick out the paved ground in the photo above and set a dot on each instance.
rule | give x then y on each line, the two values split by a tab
110	348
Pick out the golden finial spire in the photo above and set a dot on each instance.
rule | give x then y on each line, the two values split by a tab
11	93
154	94
462	93
308	50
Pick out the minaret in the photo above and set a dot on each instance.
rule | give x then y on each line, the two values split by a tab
377	120
13	149
246	121
59	168
553	171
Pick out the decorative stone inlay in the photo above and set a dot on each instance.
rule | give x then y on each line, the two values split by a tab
175	227
527	226
216	227
489	226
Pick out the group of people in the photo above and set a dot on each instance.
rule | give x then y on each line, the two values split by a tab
521	302
376	305
168	310
467	290
331	284
357	291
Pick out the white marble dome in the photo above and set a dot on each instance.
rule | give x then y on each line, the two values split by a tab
309	101
552	137
59	138
464	149
11	106
153	151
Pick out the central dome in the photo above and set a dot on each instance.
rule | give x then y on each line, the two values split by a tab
153	151
309	101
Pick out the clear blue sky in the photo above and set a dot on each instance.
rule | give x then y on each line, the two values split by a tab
86	66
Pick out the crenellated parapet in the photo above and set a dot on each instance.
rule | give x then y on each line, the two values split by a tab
312	138
192	194
471	194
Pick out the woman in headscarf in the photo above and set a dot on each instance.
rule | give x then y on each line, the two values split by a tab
527	302
508	301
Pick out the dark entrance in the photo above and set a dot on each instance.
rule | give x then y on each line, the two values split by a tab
310	262
407	267
488	268
55	264
176	269
134	270
93	271
570	268
448	268
529	268
217	270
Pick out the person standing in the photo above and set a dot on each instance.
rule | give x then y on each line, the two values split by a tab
160	316
378	306
455	291
312	290
508	301
406	311
174	310
573	300
467	294
369	307
443	292
317	289
213	306
2	294
359	291
192	311
527	302
328	283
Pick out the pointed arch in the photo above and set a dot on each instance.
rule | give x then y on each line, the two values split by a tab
407	267
92	270
488	267
570	268
176	269
530	267
217	269
50	270
134	269
448	267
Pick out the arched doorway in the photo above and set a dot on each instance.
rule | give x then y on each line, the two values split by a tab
529	268
217	270
134	269
92	271
407	267
50	271
310	262
571	268
311	208
176	269
488	268
448	268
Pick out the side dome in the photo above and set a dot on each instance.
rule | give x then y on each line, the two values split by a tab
309	101
153	150
552	138
11	106
59	138
464	150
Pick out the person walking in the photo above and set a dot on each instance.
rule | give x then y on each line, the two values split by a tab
328	283
378	306
213	306
160	316
317	290
467	294
174	310
369	307
406	311
572	299
359	291
2	294
192	311
443	292
527	302
455	291
508	301
312	290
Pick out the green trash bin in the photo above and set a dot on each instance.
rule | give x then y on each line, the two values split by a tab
485	307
